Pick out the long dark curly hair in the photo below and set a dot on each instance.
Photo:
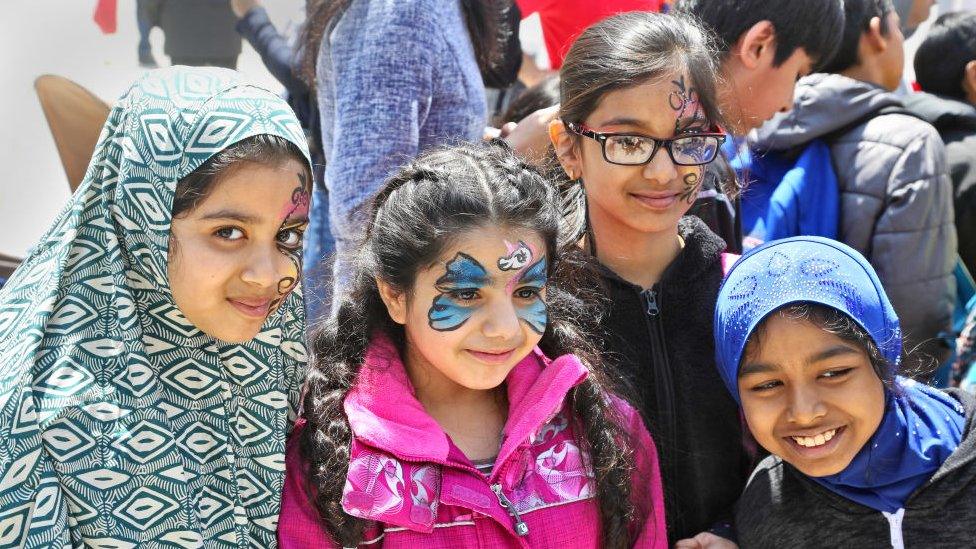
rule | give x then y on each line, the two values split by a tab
445	193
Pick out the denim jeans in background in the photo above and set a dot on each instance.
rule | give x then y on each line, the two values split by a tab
319	249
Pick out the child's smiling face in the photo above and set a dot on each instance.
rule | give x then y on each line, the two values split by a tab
809	396
236	255
477	311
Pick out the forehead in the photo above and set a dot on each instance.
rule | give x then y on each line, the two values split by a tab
257	189
785	340
488	245
651	106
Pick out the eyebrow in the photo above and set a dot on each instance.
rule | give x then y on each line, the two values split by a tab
232	215
751	368
624	121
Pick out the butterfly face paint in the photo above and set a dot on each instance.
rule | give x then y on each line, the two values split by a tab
531	308
463	278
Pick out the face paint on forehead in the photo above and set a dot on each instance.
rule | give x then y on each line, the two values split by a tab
684	101
462	274
535	313
300	200
518	256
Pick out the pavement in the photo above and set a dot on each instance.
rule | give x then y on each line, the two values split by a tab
60	37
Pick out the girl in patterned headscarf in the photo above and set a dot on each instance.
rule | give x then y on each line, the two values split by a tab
809	345
151	346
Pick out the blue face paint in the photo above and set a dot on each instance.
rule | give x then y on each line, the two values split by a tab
533	310
464	275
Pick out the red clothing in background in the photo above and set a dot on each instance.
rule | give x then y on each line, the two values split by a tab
564	20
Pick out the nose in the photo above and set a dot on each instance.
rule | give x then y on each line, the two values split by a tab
805	406
501	321
267	268
661	168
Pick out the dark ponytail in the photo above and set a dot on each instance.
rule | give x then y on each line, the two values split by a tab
442	194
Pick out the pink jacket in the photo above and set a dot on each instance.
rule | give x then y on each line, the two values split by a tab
407	476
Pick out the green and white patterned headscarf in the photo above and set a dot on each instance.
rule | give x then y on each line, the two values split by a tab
121	423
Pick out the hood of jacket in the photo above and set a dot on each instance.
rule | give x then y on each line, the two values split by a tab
822	103
944	113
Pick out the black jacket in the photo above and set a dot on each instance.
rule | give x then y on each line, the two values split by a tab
784	508
956	124
660	342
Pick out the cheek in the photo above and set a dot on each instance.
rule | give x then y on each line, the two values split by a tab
535	315
761	416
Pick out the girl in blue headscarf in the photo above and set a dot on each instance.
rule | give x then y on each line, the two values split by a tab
809	345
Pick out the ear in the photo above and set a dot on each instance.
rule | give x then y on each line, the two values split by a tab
758	42
395	301
969	81
873	38
567	152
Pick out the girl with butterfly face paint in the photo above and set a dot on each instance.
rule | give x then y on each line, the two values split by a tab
458	362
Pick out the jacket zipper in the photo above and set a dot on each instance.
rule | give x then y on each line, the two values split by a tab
521	528
663	379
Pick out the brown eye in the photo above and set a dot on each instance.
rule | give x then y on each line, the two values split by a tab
229	233
290	238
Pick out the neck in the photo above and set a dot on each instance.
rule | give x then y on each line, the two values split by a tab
638	257
865	72
473	418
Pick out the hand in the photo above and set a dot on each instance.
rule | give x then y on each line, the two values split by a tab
530	137
241	7
705	540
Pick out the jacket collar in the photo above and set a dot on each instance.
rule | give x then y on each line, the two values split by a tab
385	414
702	250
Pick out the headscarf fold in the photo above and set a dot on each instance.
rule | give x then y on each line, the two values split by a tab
122	422
921	426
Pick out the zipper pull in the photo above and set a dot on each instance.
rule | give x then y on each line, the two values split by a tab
521	528
650	299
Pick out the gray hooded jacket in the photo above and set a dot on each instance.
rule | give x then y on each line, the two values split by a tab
781	507
896	196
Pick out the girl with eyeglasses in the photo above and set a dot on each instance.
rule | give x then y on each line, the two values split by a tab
638	125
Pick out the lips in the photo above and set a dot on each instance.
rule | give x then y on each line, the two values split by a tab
817	442
492	357
657	201
252	307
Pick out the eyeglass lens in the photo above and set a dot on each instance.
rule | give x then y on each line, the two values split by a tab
690	151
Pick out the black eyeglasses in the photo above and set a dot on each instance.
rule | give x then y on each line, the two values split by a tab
627	149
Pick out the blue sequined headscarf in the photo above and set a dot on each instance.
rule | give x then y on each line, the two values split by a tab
921	426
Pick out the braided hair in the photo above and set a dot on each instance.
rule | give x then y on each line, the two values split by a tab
444	193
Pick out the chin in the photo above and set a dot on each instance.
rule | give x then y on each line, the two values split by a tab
242	335
817	470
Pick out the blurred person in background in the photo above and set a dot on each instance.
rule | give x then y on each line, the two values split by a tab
198	32
564	20
945	67
392	79
895	191
765	46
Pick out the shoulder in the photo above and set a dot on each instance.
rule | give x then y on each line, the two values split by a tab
767	504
